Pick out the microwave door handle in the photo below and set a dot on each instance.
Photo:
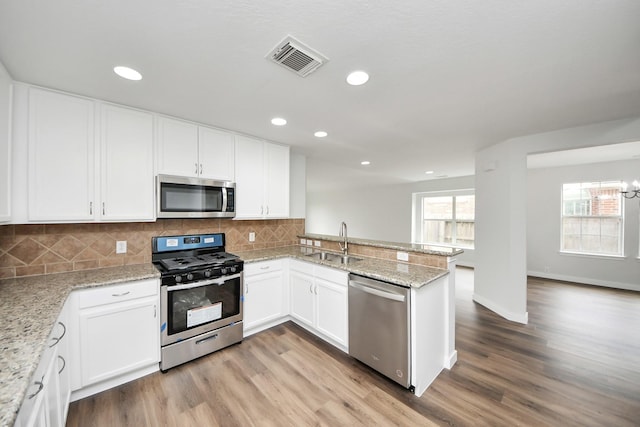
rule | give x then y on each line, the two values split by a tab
224	199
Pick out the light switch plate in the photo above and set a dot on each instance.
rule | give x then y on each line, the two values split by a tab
317	243
252	237
121	247
402	256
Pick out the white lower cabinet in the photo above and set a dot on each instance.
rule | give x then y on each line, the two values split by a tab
117	335
265	298
319	301
47	399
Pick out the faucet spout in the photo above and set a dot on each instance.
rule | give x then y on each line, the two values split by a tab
343	233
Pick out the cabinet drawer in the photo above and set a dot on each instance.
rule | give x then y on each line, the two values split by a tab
301	266
332	275
117	293
251	269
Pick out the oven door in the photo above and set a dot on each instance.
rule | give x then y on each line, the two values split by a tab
195	308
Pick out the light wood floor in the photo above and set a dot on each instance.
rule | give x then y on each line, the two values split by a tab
577	363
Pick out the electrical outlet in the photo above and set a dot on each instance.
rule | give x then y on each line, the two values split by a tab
303	241
402	256
121	247
252	237
318	243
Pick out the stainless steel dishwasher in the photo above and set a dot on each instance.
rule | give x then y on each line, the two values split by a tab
379	327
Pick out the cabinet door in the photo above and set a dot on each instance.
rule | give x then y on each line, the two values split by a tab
62	338
302	297
249	178
177	148
127	189
118	338
332	309
276	180
216	152
61	157
263	299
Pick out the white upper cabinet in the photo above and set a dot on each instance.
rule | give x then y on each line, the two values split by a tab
5	145
76	174
126	165
216	151
262	179
61	161
177	147
186	149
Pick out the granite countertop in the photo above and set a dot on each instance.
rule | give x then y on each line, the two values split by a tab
403	274
29	307
408	247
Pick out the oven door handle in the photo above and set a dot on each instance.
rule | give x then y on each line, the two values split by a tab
217	281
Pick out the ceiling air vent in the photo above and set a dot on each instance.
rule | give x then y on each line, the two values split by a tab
296	57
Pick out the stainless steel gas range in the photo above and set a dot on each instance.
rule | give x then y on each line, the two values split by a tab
200	296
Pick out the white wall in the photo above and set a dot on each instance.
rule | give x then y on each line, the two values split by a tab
297	185
544	228
500	231
378	213
500	275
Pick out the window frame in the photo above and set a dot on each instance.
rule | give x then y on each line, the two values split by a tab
417	217
620	217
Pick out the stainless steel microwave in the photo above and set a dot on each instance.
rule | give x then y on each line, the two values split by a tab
185	197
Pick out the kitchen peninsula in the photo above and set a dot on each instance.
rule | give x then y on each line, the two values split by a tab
36	302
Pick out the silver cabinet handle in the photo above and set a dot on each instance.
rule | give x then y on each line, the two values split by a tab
64	364
196	172
154	311
310	289
40	387
315	290
246	288
102	208
267	210
266	267
121	295
57	339
261	210
200	168
90	208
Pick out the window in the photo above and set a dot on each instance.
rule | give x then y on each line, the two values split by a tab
592	218
447	220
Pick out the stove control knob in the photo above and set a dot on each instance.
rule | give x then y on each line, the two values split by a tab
178	278
207	273
223	270
189	276
233	269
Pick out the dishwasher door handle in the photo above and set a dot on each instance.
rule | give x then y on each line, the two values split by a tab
377	292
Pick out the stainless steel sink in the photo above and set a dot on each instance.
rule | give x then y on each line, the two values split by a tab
337	258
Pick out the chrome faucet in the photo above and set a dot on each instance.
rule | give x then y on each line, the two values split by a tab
343	233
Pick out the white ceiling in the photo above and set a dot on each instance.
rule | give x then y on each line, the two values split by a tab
447	77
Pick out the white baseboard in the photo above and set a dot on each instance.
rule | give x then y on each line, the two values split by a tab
585	280
451	360
509	315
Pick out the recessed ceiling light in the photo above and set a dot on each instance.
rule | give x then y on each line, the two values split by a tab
429	172
320	134
357	78
365	163
127	73
278	121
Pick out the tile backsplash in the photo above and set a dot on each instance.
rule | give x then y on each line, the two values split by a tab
33	249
